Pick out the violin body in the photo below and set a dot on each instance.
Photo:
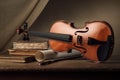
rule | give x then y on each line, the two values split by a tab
95	41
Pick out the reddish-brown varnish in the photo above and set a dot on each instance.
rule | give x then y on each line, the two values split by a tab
96	30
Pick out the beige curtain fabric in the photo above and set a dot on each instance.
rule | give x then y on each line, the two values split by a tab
13	13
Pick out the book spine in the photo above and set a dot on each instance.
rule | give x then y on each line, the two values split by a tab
22	52
17	59
30	45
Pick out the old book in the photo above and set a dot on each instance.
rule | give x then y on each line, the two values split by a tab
30	45
26	52
18	59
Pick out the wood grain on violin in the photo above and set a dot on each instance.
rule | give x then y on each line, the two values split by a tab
95	41
87	40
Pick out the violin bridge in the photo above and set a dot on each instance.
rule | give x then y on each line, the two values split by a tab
79	39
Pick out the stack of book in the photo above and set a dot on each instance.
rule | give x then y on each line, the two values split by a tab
23	51
27	48
36	51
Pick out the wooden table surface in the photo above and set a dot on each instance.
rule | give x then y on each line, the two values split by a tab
113	64
66	69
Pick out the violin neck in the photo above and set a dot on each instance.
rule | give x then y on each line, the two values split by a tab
54	36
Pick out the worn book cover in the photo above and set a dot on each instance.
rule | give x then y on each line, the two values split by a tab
17	59
22	52
27	48
30	45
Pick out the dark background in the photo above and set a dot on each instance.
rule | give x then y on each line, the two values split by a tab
80	11
13	13
77	11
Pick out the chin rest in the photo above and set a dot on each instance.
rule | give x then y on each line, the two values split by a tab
105	50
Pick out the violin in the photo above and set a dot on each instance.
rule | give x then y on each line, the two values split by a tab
95	41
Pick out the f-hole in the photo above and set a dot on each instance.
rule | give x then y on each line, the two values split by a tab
79	40
87	29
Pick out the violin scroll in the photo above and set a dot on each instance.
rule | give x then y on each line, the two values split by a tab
24	31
